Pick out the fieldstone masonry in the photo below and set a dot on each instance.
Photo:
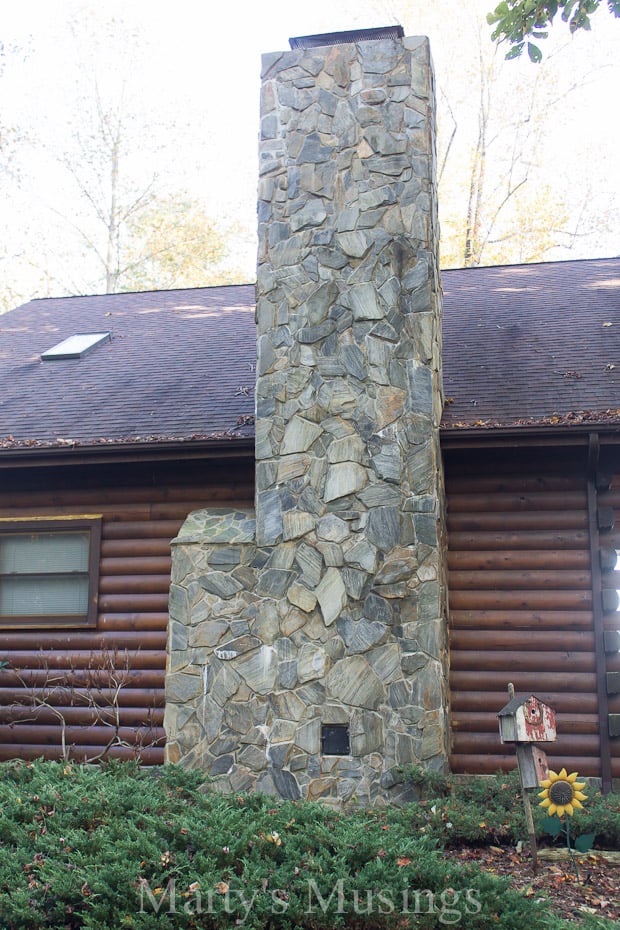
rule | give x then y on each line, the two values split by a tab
327	606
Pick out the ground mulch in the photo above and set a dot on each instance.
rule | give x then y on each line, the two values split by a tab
596	892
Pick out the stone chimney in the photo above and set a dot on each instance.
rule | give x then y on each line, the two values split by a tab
307	651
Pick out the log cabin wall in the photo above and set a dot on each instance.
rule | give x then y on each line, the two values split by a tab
520	600
142	507
609	506
521	604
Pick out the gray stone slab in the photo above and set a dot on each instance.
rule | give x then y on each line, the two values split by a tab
413	662
366	732
332	528
356	582
312	662
287	674
344	478
221	584
353	360
365	302
259	669
285	784
313	151
362	555
274	582
232	648
353	681
387	463
310	563
425	525
377	608
364	635
385	661
178	604
394	570
383	528
347	449
332	554
331	595
182	687
224	555
380	494
269	518
308	736
177	635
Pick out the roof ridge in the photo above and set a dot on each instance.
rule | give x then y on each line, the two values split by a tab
557	261
162	290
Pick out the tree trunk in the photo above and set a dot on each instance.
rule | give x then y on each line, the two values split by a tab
111	276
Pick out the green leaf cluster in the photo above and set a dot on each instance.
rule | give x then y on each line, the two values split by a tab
519	21
92	848
554	827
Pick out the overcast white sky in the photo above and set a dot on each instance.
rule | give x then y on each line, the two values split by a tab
203	66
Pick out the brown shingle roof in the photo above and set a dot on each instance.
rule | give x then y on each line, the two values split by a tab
532	343
522	344
180	365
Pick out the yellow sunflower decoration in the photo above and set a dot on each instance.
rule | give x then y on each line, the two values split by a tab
562	793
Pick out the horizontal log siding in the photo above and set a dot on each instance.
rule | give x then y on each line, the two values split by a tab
520	605
611	619
143	509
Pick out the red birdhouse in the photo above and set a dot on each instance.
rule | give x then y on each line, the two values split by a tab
526	720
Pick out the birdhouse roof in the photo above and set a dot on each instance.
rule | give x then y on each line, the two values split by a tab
516	702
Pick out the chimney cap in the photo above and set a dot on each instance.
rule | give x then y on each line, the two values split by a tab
342	38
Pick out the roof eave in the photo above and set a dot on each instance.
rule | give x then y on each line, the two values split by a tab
452	437
92	454
575	434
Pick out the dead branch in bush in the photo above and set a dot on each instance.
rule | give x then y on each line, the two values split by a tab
96	689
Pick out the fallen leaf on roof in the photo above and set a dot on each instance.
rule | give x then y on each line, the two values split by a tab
236	432
556	419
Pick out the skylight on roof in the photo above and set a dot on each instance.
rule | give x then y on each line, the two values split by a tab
75	346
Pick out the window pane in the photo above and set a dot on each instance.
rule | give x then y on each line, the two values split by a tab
45	571
44	552
23	597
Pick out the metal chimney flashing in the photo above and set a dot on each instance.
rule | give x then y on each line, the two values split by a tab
343	38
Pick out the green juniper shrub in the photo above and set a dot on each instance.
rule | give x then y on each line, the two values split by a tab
589	922
489	811
96	848
477	811
430	784
601	816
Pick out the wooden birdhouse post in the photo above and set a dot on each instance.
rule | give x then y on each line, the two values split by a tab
525	721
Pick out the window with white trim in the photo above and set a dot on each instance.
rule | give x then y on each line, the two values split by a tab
49	572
